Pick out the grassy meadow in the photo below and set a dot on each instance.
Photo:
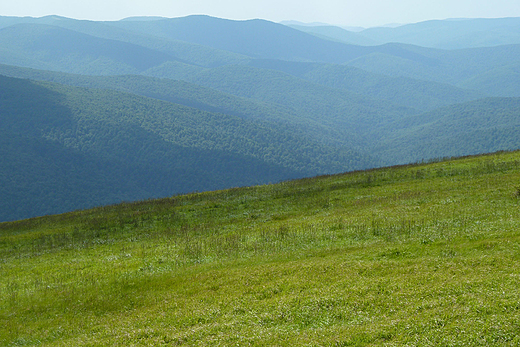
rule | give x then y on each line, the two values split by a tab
417	255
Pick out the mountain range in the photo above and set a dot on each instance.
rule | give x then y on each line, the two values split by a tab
443	34
95	113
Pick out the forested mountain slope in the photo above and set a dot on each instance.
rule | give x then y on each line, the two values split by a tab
339	110
175	91
501	81
329	115
420	94
253	38
479	126
199	103
456	67
254	94
182	39
183	51
335	33
66	50
154	148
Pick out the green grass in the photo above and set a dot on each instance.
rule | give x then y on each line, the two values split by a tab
416	255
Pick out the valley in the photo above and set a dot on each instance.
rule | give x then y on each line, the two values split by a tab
168	106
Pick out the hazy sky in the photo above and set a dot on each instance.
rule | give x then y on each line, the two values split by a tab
340	12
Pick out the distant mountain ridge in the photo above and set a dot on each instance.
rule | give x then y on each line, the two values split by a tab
178	59
200	103
62	47
444	34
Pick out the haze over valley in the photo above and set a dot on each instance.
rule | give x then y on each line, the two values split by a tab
101	112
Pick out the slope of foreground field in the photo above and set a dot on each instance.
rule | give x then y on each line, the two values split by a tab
414	255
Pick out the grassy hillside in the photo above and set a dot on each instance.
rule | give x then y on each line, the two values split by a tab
413	255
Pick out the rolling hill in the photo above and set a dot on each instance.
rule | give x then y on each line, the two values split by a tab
160	148
502	81
479	126
234	41
218	103
334	33
101	118
175	91
419	94
253	38
66	50
443	34
453	67
178	47
253	93
403	255
451	33
263	134
338	110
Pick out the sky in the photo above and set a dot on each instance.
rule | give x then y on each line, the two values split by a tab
365	13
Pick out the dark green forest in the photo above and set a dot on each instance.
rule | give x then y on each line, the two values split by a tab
95	113
100	146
